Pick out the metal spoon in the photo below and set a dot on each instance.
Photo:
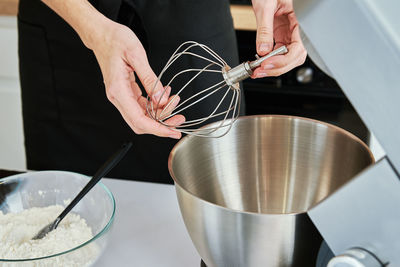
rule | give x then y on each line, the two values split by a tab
107	166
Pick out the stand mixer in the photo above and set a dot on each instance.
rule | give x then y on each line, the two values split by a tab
361	50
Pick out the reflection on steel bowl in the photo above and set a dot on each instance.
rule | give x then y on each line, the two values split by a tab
244	196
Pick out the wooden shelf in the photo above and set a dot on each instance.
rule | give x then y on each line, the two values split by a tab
8	7
243	17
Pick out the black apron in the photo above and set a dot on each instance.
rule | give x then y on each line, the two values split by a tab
68	122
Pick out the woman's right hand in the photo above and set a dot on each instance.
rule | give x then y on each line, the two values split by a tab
120	54
276	22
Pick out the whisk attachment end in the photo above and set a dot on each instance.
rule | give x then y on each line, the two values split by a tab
237	74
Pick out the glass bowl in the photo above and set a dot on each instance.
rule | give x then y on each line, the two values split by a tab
46	188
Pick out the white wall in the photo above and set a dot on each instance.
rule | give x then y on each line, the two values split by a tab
12	152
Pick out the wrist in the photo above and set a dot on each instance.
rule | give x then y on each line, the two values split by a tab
89	23
95	31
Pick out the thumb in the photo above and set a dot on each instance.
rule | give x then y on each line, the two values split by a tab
148	78
265	26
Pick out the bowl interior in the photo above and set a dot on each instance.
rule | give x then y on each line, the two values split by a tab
269	164
42	189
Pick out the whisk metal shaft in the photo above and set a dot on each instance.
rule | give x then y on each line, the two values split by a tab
245	70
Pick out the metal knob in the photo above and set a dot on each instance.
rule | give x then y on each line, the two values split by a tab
304	75
355	257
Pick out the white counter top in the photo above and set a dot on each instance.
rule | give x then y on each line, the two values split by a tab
148	229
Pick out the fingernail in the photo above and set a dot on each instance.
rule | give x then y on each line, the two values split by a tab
261	74
160	96
157	95
269	67
176	99
264	47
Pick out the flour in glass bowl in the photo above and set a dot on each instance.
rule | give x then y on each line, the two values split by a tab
17	230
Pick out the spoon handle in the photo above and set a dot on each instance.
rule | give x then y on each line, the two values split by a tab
104	169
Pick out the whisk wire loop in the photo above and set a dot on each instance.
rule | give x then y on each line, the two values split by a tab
213	64
223	96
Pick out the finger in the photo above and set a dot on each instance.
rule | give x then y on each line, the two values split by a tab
294	27
165	94
149	80
161	112
294	58
260	73
296	54
135	87
148	107
134	115
176	120
274	72
151	107
173	101
264	13
173	121
151	126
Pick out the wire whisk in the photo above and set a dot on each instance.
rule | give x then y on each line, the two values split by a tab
225	93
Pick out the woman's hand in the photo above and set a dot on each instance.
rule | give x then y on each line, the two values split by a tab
120	54
277	22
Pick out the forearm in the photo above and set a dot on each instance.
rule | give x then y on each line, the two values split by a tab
83	18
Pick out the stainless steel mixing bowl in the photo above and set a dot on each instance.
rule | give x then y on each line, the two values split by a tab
244	196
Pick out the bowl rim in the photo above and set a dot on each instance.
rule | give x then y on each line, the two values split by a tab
98	235
337	128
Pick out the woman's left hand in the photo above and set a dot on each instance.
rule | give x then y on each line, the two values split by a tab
277	22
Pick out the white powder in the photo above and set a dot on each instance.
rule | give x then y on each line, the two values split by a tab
17	230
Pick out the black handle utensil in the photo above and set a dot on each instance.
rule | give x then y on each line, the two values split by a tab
104	170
